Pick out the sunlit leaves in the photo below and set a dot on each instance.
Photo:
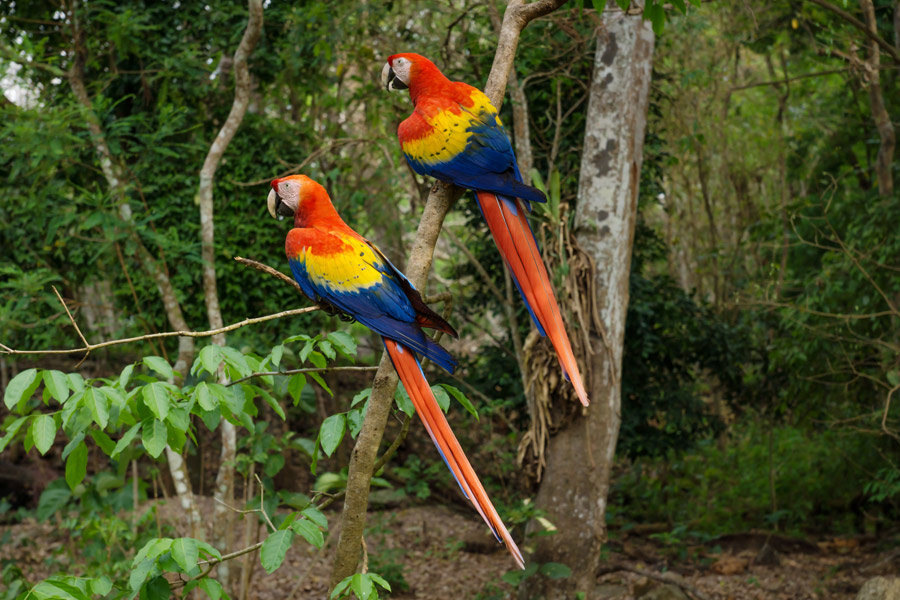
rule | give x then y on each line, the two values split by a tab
332	432
273	550
43	432
76	465
20	388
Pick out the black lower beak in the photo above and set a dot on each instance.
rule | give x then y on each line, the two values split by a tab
282	209
395	83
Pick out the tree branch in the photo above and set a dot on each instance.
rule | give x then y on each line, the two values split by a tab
152	336
440	200
861	26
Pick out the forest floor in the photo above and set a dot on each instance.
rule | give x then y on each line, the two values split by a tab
442	554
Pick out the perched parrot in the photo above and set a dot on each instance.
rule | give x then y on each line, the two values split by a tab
455	135
336	266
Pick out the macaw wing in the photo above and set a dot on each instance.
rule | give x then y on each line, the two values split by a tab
464	144
355	278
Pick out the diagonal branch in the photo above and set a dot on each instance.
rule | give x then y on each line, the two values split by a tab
442	197
861	26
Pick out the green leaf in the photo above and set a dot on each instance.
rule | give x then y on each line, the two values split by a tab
355	420
186	553
360	397
56	589
362	586
271	555
212	588
43	432
272	402
236	360
209	358
57	384
296	385
380	581
315	515
339	588
76	382
160	365
98	403
327	349
11	432
205	398
76	465
125	440
157	589
680	5
73	443
403	401
18	388
139	574
623	4
103	441
151	550
309	532
53	498
125	376
322	383
599	5
332	432
893	378
179	418
155	437
209	550
277	353
657	17
461	398
274	464
440	394
555	570
318	360
156	398
344	342
101	586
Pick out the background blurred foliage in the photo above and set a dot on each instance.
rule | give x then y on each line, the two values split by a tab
725	366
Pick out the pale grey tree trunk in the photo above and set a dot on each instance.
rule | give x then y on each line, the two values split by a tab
224	490
117	182
579	458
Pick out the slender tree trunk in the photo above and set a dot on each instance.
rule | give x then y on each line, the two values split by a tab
574	489
362	460
115	179
224	491
884	161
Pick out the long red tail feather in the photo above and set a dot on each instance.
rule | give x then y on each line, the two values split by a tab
438	428
508	223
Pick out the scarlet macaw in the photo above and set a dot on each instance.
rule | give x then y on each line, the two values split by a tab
337	267
455	135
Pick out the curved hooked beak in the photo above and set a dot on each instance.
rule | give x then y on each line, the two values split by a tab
277	208
390	80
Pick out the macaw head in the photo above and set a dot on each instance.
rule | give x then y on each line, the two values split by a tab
289	193
401	70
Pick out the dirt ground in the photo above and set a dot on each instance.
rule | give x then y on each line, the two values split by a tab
442	554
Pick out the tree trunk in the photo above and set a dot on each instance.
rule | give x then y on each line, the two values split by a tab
884	162
224	491
580	457
362	460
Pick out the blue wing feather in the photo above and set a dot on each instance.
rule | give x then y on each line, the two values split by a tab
382	307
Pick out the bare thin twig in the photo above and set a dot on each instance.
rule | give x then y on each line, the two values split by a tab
861	26
151	336
262	505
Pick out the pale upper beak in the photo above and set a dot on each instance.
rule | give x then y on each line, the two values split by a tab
272	202
278	208
390	80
